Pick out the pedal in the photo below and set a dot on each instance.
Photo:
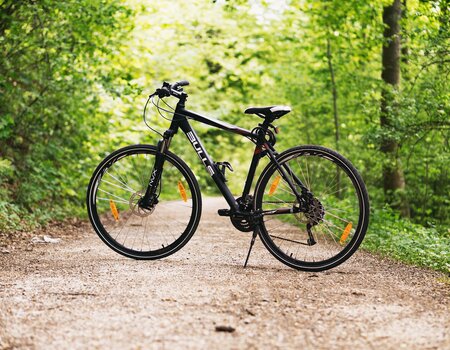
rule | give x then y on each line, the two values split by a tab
224	212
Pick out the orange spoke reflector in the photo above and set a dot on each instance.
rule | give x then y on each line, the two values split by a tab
182	191
274	185
346	232
114	210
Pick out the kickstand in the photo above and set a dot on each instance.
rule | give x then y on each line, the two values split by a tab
255	232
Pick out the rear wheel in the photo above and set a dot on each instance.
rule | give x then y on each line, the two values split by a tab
117	185
336	215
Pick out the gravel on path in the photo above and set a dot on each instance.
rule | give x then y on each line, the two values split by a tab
79	294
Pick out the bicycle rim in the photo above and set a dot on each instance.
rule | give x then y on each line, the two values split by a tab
113	195
338	213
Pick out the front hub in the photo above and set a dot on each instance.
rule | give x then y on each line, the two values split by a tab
137	207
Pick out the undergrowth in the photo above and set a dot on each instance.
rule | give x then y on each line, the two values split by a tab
398	238
388	234
14	218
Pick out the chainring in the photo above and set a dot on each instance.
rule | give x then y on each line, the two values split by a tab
244	224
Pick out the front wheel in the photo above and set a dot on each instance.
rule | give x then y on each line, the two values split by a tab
324	229
113	196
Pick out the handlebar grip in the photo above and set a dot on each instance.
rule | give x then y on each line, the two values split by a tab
180	83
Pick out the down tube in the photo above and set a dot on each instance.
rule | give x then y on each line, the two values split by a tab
209	165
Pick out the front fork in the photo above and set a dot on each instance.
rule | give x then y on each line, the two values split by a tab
150	198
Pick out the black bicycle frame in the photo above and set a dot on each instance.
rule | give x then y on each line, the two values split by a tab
180	120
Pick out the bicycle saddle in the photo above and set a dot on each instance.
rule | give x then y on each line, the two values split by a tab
272	112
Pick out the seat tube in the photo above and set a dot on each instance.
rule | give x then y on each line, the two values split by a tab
251	172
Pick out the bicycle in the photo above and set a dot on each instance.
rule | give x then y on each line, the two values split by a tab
309	207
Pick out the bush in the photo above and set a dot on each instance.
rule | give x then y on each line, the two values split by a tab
403	240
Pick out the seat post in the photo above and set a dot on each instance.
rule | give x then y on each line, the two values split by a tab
266	123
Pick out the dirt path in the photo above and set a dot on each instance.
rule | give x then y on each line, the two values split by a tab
80	294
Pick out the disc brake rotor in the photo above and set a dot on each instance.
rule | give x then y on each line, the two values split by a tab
136	209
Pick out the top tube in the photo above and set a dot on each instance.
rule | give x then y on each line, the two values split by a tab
216	123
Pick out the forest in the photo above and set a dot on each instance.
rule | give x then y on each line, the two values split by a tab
366	78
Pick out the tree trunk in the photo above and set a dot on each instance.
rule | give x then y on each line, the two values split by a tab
393	178
404	41
335	113
334	94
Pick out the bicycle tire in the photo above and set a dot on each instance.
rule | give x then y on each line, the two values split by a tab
174	170
331	248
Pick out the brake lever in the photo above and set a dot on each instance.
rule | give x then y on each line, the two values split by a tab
162	92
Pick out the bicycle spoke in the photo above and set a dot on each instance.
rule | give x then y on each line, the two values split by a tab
140	181
337	217
113	195
123	183
285	190
175	204
331	224
334	206
108	199
332	234
112	184
274	202
276	227
307	174
328	209
135	236
123	226
142	231
304	177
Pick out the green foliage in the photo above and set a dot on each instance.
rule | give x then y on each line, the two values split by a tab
50	66
74	76
401	239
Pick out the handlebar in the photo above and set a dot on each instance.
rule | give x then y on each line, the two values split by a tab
168	89
180	83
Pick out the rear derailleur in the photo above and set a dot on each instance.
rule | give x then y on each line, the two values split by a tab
312	215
